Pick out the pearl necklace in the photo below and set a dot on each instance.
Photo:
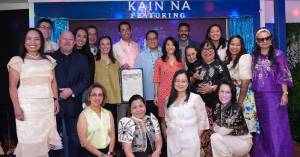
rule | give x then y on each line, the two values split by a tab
33	56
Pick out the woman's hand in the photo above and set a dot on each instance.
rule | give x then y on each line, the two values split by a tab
56	107
156	153
204	88
19	113
196	75
284	99
156	100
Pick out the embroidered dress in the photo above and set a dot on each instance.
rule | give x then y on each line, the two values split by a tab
183	124
37	133
275	138
242	71
163	73
137	132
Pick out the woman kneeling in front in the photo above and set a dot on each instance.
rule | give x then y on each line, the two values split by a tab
231	137
140	134
186	118
95	126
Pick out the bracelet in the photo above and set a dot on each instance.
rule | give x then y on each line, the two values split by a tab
286	92
156	94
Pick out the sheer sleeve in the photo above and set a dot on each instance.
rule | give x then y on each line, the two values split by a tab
284	75
53	61
223	56
199	106
15	63
167	115
155	124
126	129
245	71
157	73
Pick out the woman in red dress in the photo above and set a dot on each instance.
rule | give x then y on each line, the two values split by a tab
164	69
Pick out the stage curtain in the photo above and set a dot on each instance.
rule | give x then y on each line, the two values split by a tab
243	26
59	25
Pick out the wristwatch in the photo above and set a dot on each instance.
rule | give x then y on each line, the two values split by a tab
110	153
212	88
56	99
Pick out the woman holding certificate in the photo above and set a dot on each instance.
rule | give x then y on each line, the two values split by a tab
164	69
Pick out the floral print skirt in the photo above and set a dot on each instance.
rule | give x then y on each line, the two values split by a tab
250	113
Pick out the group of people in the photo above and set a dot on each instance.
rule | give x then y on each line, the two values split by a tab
211	95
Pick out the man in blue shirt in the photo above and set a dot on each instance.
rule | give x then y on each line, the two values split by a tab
184	41
146	60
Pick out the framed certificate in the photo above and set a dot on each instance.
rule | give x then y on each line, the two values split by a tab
131	83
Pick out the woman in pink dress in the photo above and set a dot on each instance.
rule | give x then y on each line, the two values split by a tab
164	69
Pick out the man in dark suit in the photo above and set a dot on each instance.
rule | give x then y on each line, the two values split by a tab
73	77
184	41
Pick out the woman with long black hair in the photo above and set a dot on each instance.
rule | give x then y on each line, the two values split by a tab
214	33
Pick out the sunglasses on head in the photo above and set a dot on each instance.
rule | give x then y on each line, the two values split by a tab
261	40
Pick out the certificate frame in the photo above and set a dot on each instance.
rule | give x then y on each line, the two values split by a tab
134	73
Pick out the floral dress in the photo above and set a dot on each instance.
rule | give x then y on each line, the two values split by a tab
242	71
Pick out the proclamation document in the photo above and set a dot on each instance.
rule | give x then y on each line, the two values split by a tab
131	83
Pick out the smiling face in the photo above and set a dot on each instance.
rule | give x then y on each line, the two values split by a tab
80	38
184	33
46	30
225	94
96	97
170	47
125	32
208	53
266	43
66	41
215	33
92	36
105	46
138	109
152	40
235	46
32	41
181	83
191	55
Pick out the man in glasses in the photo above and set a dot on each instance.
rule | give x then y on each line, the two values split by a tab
184	41
146	60
93	35
45	25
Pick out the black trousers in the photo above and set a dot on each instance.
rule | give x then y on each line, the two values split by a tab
85	153
113	109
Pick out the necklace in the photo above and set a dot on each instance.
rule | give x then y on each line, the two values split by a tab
33	56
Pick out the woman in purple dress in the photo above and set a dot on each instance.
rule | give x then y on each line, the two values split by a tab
271	78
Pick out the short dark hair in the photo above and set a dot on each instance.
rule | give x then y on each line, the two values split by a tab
153	31
183	24
210	43
92	26
123	23
38	24
89	91
135	97
232	88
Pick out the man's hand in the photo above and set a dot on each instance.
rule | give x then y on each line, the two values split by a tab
65	93
126	66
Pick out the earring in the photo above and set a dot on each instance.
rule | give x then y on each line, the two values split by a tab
270	44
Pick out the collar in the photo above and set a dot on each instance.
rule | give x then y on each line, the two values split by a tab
186	43
226	107
47	42
89	110
138	119
124	42
158	50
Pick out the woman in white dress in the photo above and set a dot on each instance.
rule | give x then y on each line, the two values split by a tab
33	102
186	118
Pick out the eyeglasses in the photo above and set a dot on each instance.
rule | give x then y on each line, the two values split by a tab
261	40
95	95
224	92
153	39
44	27
210	49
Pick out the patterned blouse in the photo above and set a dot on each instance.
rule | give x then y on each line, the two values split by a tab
230	117
135	131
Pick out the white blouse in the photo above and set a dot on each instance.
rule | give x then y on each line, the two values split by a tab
191	117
